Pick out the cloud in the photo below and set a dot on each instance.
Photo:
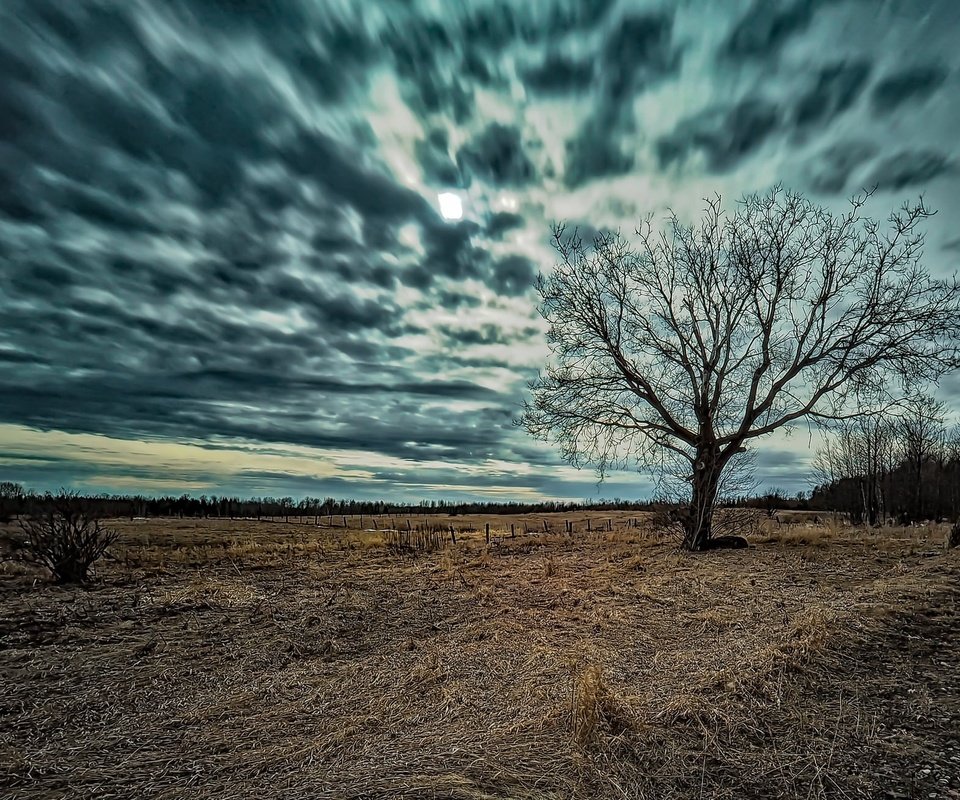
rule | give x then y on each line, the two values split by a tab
514	275
497	155
595	153
638	53
766	27
830	170
433	153
559	74
421	50
910	168
218	220
835	89
503	222
724	135
487	334
497	24
911	84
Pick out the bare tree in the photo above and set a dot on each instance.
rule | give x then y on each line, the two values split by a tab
693	343
11	497
862	453
923	433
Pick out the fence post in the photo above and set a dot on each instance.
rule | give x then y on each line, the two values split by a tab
588	524
512	531
487	532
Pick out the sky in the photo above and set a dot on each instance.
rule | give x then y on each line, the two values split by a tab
224	263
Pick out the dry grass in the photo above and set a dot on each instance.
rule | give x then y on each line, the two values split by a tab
236	659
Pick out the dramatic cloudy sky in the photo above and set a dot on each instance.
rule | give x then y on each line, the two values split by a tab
223	265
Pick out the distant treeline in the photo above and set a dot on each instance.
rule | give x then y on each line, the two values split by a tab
15	500
903	495
903	467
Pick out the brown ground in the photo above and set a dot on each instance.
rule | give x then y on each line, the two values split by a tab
236	659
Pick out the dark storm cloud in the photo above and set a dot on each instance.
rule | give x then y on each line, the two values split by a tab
725	135
487	334
783	469
440	58
336	167
910	84
498	24
422	50
595	153
450	250
184	403
454	300
766	27
910	168
513	275
830	170
497	155
558	74
453	252
638	53
433	153
501	223
834	90
13	357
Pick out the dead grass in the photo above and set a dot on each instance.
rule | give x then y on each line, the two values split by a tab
236	659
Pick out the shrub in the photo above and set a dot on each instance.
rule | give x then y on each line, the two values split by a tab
953	537
64	535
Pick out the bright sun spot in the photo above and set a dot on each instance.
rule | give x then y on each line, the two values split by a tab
451	206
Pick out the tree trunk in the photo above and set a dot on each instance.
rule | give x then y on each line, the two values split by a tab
699	521
918	504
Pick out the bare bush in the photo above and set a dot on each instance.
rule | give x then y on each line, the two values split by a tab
64	535
953	536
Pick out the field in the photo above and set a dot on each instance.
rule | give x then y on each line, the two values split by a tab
244	659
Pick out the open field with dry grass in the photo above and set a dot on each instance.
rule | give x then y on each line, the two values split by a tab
237	659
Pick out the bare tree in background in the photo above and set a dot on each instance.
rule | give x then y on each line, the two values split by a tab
923	432
692	343
863	452
11	497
